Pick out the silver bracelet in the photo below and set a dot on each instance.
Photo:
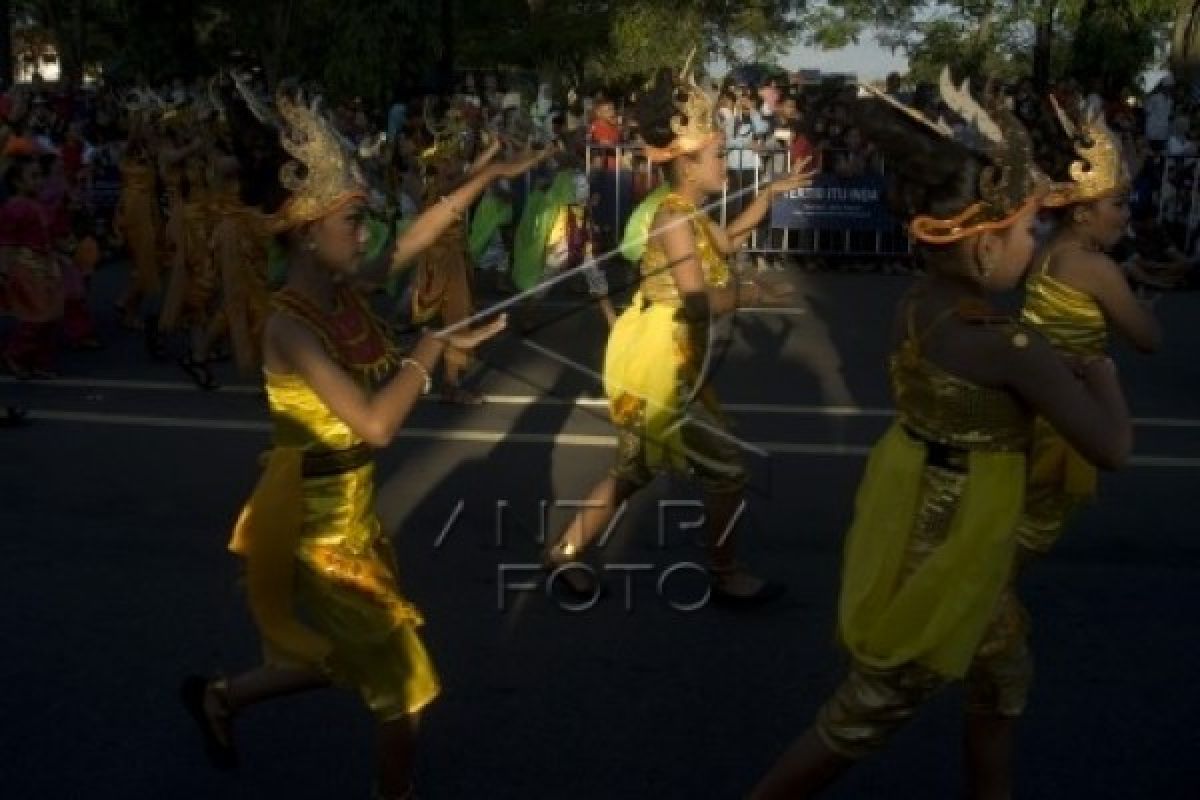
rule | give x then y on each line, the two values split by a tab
404	362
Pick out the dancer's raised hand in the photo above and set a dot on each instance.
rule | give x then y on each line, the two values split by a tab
470	338
798	177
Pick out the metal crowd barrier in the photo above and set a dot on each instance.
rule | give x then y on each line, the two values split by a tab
1177	204
621	175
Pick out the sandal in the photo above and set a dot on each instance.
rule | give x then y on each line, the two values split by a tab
214	720
767	593
563	568
198	371
14	417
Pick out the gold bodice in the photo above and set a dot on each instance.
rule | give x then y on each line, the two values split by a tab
300	419
1069	318
658	284
137	177
941	407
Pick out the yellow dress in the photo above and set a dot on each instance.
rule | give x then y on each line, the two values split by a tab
442	283
665	410
1060	479
193	278
138	221
314	544
926	592
239	252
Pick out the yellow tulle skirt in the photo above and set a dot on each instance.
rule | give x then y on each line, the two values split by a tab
646	365
928	555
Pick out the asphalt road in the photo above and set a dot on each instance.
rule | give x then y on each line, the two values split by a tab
117	503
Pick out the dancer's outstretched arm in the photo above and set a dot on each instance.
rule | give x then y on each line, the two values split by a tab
737	233
434	221
374	418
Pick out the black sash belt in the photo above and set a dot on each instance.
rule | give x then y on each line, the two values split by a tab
938	454
327	463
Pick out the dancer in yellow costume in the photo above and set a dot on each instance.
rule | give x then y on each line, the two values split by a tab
1074	292
443	285
666	413
183	169
137	219
926	594
320	575
239	243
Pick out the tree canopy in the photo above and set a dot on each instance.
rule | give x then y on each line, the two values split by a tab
369	47
1112	41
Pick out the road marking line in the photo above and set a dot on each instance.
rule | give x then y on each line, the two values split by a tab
535	400
501	437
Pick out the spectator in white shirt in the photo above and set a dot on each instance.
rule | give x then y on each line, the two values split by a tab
743	131
1158	115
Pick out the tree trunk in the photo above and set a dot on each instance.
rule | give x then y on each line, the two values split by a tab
446	65
1043	46
6	53
1185	41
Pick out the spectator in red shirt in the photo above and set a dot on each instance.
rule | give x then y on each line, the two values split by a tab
605	131
799	145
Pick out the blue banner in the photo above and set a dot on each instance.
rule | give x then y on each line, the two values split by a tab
835	203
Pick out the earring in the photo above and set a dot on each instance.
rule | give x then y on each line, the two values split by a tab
310	246
986	266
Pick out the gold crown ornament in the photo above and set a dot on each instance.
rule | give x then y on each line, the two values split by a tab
449	138
1009	182
1101	170
695	124
322	176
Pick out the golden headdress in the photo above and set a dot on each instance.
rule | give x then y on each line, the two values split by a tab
1101	170
1009	182
322	176
449	138
695	124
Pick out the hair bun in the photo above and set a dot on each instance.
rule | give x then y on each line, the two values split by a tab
655	107
927	173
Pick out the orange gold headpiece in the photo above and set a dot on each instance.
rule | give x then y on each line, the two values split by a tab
449	143
322	176
1101	170
1008	184
695	124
